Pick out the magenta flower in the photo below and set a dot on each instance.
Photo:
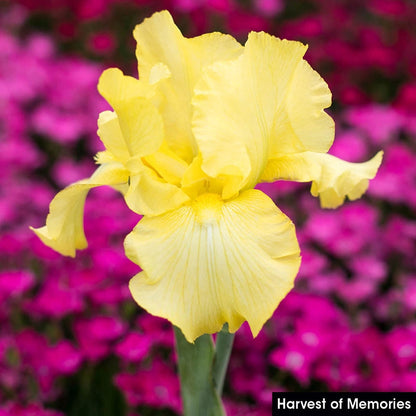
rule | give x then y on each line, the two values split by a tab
135	347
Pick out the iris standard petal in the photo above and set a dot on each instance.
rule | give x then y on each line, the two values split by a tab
141	126
160	41
110	134
64	229
332	179
116	87
302	123
137	127
211	262
267	100
140	140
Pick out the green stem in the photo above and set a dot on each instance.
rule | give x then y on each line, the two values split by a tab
223	347
195	363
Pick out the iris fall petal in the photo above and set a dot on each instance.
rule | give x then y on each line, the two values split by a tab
64	229
332	179
211	262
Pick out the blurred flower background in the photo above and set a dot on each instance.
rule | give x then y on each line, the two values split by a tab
73	342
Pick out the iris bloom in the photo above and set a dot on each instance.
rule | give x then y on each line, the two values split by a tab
186	144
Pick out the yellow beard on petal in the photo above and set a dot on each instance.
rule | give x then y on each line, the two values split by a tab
207	208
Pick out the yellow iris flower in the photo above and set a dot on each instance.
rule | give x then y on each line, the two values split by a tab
186	144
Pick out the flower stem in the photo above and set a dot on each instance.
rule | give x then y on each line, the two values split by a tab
195	363
223	347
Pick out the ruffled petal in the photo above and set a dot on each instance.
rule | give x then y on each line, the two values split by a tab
302	124
212	262
268	101
240	108
332	179
64	229
160	41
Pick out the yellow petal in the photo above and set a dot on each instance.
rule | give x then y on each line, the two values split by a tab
212	262
237	102
112	137
160	41
267	101
167	164
303	119
150	195
332	179
136	128
116	87
64	230
158	72
141	126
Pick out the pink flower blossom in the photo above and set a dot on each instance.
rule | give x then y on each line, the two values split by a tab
134	347
14	283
